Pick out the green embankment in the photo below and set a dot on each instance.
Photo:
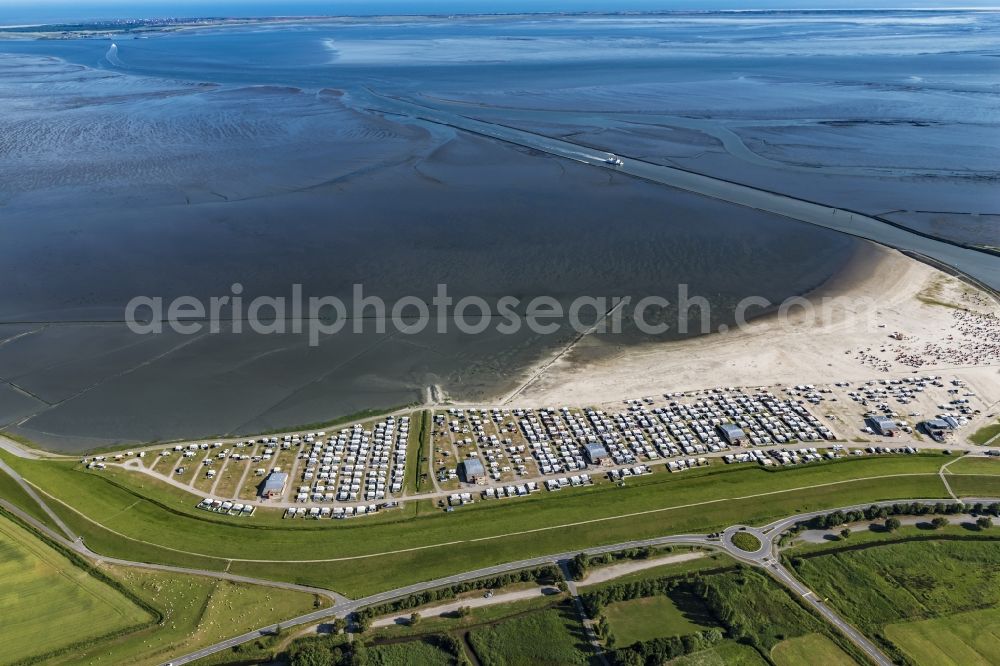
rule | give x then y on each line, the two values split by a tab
12	491
472	537
417	449
975	465
985	434
975	477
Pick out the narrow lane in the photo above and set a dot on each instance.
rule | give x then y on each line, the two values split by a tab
765	558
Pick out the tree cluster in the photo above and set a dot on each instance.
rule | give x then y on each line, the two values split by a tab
661	650
837	518
596	601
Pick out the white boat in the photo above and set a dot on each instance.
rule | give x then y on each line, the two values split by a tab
614	160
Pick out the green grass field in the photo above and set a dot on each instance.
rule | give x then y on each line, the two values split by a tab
553	636
751	608
985	434
746	541
417	448
411	653
902	582
975	465
157	517
975	485
963	639
145	507
198	611
48	603
810	649
975	477
654	617
11	491
761	612
726	653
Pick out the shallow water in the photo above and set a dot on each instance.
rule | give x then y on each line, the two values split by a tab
186	162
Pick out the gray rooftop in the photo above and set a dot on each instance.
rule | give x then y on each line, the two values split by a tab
473	468
732	430
275	481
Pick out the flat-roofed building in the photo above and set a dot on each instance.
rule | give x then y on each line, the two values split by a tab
595	453
732	433
274	485
883	425
473	470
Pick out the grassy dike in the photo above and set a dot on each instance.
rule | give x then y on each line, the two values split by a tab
127	516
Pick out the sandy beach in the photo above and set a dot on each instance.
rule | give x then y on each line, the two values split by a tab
943	324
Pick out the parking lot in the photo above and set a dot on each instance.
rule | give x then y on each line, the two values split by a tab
783	425
361	469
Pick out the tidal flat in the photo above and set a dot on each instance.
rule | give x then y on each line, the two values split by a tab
180	164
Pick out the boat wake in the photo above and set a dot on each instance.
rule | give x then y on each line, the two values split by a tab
112	56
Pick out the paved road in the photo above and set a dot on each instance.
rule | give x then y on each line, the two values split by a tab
763	559
588	625
982	267
76	543
133	465
766	558
874	653
67	532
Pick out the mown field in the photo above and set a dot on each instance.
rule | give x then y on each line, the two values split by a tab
975	477
132	518
553	636
898	584
975	485
810	649
197	611
48	603
985	434
975	465
963	639
653	617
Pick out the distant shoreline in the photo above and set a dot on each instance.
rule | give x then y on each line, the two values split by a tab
131	25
